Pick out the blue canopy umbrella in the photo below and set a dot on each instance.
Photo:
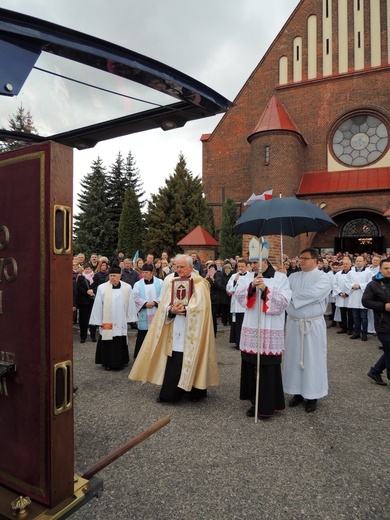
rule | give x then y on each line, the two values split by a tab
282	216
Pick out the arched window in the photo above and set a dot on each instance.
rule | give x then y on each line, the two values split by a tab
283	70
360	227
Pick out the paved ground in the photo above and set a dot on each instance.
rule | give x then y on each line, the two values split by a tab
212	462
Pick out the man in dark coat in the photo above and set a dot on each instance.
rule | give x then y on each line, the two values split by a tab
376	296
129	275
225	299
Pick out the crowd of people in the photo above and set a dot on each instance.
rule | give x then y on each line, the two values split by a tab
272	311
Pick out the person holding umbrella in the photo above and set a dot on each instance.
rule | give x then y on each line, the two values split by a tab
305	370
266	300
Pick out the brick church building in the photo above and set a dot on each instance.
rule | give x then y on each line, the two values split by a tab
313	121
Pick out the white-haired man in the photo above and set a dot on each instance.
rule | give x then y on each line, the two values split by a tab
179	349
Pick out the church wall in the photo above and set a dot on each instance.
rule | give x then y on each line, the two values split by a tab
314	105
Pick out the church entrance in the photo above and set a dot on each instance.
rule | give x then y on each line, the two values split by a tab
360	235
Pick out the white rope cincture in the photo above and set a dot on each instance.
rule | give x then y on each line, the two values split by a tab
304	332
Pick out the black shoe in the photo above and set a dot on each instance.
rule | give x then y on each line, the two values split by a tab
364	338
380	347
161	400
331	325
295	401
251	411
311	405
342	332
377	378
355	336
82	340
349	332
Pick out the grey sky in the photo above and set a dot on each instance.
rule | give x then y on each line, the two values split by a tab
218	42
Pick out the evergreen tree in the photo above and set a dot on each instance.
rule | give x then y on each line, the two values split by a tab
20	122
93	228
123	175
116	189
131	229
230	243
176	210
133	179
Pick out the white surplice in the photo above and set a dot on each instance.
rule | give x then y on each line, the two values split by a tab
233	286
338	288
123	312
360	278
272	317
370	312
143	293
305	363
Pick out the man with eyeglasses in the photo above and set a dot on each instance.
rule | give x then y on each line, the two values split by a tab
178	351
305	369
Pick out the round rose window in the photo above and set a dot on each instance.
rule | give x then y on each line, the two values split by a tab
360	140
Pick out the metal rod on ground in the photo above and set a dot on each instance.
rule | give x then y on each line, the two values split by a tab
125	448
259	304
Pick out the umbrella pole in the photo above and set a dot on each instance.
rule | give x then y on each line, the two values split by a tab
258	298
281	248
281	238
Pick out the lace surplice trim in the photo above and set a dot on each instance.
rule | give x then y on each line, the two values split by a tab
271	341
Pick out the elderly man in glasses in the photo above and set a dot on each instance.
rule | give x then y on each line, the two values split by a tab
305	369
179	349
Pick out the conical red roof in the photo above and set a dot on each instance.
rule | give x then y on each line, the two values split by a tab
274	117
198	237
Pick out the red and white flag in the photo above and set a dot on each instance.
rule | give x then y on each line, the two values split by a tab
254	198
